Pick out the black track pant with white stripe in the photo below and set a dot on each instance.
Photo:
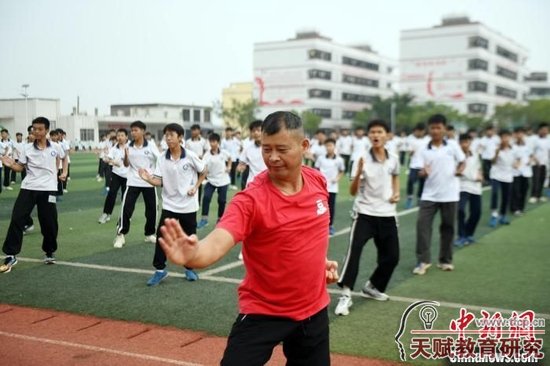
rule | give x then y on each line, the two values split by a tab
129	204
47	216
384	232
187	221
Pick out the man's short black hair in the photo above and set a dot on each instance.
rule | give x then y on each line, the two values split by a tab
148	133
42	121
450	128
138	124
54	133
378	123
419	127
519	129
330	141
18	134
123	130
357	128
504	132
255	124
112	130
174	127
29	129
471	130
195	127
464	137
214	137
4	130
489	127
437	118
276	121
229	129
60	131
542	125
320	131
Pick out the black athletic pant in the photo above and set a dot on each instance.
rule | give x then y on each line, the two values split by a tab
68	175
101	168
117	182
467	227
253	337
59	183
411	181
486	168
129	204
244	177
424	223
346	162
7	174
520	186
14	174
188	222
233	172
331	206
384	232
108	172
209	193
539	175
505	189
47	216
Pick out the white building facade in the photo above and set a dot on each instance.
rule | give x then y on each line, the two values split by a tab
539	85
17	114
462	64
311	72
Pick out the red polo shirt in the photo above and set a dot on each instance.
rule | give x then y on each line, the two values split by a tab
285	242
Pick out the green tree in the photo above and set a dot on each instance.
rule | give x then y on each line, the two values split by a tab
240	114
311	122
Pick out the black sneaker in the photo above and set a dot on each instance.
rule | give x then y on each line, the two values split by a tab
9	262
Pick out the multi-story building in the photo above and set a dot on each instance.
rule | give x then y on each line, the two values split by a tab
539	85
236	93
17	114
464	64
311	72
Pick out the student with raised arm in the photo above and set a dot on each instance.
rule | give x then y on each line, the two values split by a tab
282	219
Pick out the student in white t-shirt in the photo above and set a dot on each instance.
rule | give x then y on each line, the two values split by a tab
522	172
317	147
505	160
232	145
218	166
541	155
359	144
442	162
416	142
8	144
487	146
343	147
332	167
375	184
470	193
41	160
18	145
180	172
251	156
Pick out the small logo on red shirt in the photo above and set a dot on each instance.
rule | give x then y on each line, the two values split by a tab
321	208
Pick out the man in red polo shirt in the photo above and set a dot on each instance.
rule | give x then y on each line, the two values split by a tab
282	218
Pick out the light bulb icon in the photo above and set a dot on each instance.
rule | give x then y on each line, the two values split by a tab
428	315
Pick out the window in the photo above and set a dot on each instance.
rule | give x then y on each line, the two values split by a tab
207	115
505	92
540	91
478	64
477	86
319	74
186	113
360	81
478	108
477	41
501	51
320	93
358	63
196	115
349	114
359	98
322	112
507	73
320	55
86	134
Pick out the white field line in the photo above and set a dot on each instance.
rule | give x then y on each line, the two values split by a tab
98	349
209	277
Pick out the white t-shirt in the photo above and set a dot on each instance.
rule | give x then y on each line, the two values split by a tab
359	147
199	146
392	146
3	151
216	165
317	150
415	145
524	153
469	179
116	154
17	149
178	177
541	150
441	185
252	156
144	157
488	146
375	186
503	168
41	166
330	168
232	146
343	145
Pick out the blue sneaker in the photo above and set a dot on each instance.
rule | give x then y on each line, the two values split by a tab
409	203
331	231
460	242
493	222
191	275
470	240
157	277
202	223
504	220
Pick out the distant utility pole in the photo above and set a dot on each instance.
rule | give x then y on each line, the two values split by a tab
392	116
26	95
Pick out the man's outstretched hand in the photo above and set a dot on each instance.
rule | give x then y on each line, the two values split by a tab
178	246
331	272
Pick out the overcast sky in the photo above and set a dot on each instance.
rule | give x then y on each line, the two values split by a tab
168	51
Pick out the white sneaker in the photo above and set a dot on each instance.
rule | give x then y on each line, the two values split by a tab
240	256
344	303
119	241
445	266
151	238
233	187
104	218
533	200
543	199
421	268
99	179
371	292
28	229
9	188
65	191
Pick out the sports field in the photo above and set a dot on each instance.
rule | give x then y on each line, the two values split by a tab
505	270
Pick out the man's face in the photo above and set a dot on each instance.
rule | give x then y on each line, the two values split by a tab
543	132
344	132
54	137
283	152
520	135
172	139
256	134
465	144
490	132
4	135
39	131
195	133
121	138
330	148
137	133
359	132
214	144
378	136
19	138
228	134
418	133
505	139
321	137
437	131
